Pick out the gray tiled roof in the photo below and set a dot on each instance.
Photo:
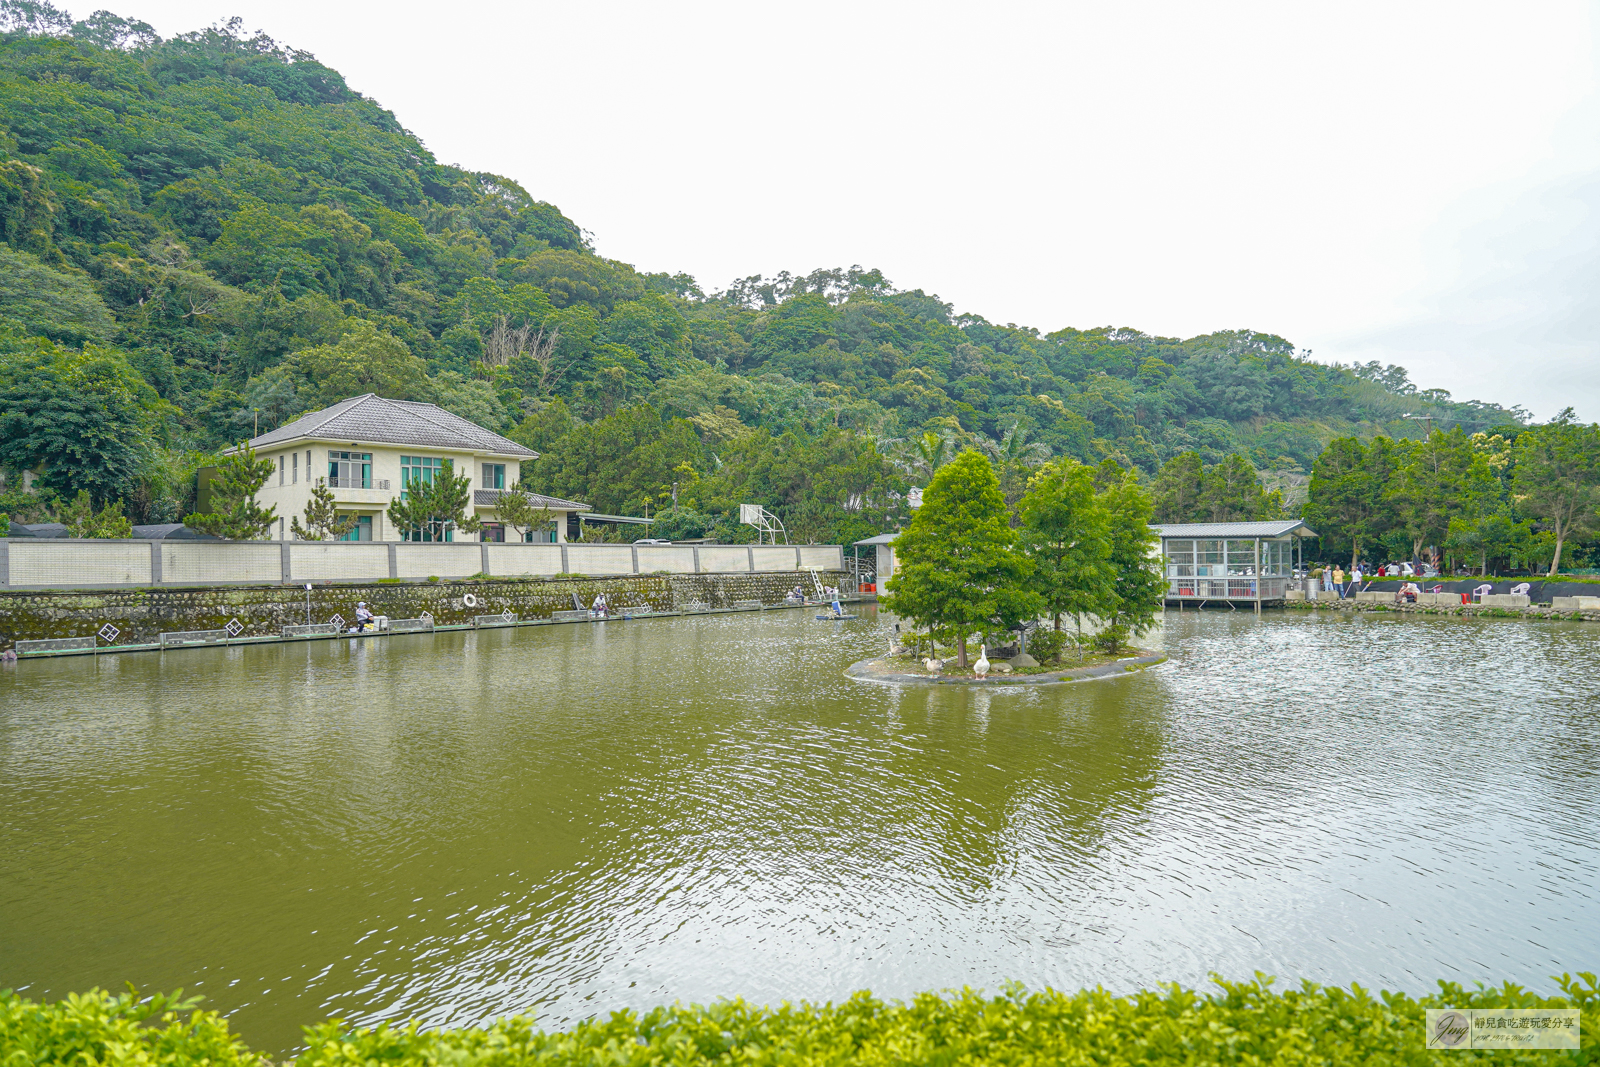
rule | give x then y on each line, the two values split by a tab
371	419
1275	528
487	497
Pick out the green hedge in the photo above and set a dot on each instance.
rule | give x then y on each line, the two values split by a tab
1244	1023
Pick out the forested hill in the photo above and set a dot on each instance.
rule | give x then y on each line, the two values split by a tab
206	235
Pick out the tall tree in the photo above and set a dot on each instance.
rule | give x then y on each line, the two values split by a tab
959	569
234	513
78	419
1176	491
1347	492
1439	480
1231	492
1138	588
1557	478
1066	532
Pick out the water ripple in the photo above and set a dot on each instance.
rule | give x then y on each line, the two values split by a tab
571	820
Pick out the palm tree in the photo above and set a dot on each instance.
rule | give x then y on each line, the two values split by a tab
933	451
1015	455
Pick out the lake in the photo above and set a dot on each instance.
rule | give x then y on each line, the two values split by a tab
573	819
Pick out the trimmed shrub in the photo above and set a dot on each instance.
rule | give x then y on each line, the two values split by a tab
1244	1023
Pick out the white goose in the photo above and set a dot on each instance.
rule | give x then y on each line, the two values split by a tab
981	667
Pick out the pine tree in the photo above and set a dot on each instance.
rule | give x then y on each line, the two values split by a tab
959	569
83	521
322	517
235	515
434	508
517	510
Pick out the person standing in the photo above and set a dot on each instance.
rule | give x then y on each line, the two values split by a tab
1338	581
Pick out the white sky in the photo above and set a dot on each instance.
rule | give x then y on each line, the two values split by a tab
1410	183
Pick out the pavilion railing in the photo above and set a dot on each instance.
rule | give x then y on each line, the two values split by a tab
1231	588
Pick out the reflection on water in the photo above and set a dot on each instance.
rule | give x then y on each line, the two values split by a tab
579	818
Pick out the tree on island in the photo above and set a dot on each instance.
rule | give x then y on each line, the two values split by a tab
959	568
322	517
429	510
234	514
1138	587
1067	534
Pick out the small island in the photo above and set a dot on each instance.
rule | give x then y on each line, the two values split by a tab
909	669
974	570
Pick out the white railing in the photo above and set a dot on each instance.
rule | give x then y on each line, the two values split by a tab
1234	588
26	563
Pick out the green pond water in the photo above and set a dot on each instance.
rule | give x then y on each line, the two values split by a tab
568	820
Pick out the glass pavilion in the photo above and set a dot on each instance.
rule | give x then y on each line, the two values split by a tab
1253	562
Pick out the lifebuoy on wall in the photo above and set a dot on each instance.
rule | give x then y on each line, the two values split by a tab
469	600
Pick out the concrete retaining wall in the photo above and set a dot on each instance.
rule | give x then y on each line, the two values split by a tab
27	563
142	615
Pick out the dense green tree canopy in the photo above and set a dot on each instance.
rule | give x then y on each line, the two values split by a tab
961	570
254	238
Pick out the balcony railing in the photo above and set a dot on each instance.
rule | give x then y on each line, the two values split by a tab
1227	588
355	483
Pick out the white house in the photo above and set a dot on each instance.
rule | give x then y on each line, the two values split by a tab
369	449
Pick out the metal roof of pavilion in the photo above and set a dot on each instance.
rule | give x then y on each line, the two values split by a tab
1274	528
596	517
489	497
370	419
881	539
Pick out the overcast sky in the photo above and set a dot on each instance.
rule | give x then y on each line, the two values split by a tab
1416	184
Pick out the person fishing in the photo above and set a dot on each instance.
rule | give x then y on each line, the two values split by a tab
365	620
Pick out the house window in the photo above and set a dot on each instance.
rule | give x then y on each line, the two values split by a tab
294	470
494	475
350	470
281	469
492	531
418	469
362	530
426	534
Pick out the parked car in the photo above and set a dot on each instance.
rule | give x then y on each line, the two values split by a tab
652	541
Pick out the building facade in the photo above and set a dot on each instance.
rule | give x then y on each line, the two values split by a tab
368	450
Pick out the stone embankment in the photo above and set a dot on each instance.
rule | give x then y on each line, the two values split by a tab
141	615
1559	608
